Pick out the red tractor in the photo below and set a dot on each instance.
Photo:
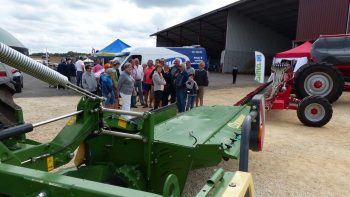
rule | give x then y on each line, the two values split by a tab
314	111
309	88
329	68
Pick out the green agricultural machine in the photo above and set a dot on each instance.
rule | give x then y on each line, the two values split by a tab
150	154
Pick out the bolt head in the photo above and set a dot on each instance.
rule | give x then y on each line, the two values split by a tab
232	185
42	194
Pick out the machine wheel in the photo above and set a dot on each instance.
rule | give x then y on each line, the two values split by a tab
314	111
171	186
319	80
18	87
244	147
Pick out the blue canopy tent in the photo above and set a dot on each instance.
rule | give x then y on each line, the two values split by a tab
111	50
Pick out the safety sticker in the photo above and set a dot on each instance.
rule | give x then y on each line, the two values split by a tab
122	123
72	120
50	164
237	123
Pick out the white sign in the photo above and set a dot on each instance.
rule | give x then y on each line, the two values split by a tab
259	67
300	61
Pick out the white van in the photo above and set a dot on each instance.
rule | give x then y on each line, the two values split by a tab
192	54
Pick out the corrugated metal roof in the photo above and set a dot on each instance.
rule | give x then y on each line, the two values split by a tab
209	30
279	15
317	17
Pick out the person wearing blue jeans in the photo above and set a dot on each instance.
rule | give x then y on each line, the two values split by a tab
137	75
180	84
190	101
139	91
192	89
107	88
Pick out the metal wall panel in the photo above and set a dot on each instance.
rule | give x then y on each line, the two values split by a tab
321	17
245	36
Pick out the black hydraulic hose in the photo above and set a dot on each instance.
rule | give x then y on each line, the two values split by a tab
15	131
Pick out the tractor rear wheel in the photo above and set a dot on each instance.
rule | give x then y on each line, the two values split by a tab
314	111
319	79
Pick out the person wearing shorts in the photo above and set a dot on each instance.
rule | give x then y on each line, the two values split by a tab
201	78
147	81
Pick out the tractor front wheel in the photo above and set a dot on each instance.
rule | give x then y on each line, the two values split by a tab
314	111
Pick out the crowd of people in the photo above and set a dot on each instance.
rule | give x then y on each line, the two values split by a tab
153	85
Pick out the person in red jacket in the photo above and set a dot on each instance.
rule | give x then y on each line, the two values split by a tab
147	83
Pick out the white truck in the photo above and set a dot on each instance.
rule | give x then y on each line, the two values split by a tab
193	54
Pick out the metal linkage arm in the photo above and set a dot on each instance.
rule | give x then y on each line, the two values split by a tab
57	118
123	112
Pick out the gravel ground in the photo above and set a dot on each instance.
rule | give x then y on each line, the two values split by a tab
296	160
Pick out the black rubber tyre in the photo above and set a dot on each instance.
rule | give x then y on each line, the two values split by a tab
330	81
18	87
244	147
314	111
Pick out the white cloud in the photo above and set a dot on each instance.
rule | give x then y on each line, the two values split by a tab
78	25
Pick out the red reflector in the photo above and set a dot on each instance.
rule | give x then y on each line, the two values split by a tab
3	74
262	125
14	70
261	137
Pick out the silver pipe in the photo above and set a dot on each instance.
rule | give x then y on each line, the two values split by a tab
126	135
123	112
80	91
83	91
57	118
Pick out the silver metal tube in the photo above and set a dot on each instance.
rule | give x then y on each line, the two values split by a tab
83	91
57	118
123	112
120	134
80	92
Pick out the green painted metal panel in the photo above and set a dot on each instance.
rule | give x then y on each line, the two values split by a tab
202	122
119	151
165	113
169	159
116	122
27	182
206	155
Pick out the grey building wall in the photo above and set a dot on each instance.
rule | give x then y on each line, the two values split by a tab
243	37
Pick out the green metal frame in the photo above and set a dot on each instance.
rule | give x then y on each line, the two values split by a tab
172	146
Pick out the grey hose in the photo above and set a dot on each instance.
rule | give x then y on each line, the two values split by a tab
23	63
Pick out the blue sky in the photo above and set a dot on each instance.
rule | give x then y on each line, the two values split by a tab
79	25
